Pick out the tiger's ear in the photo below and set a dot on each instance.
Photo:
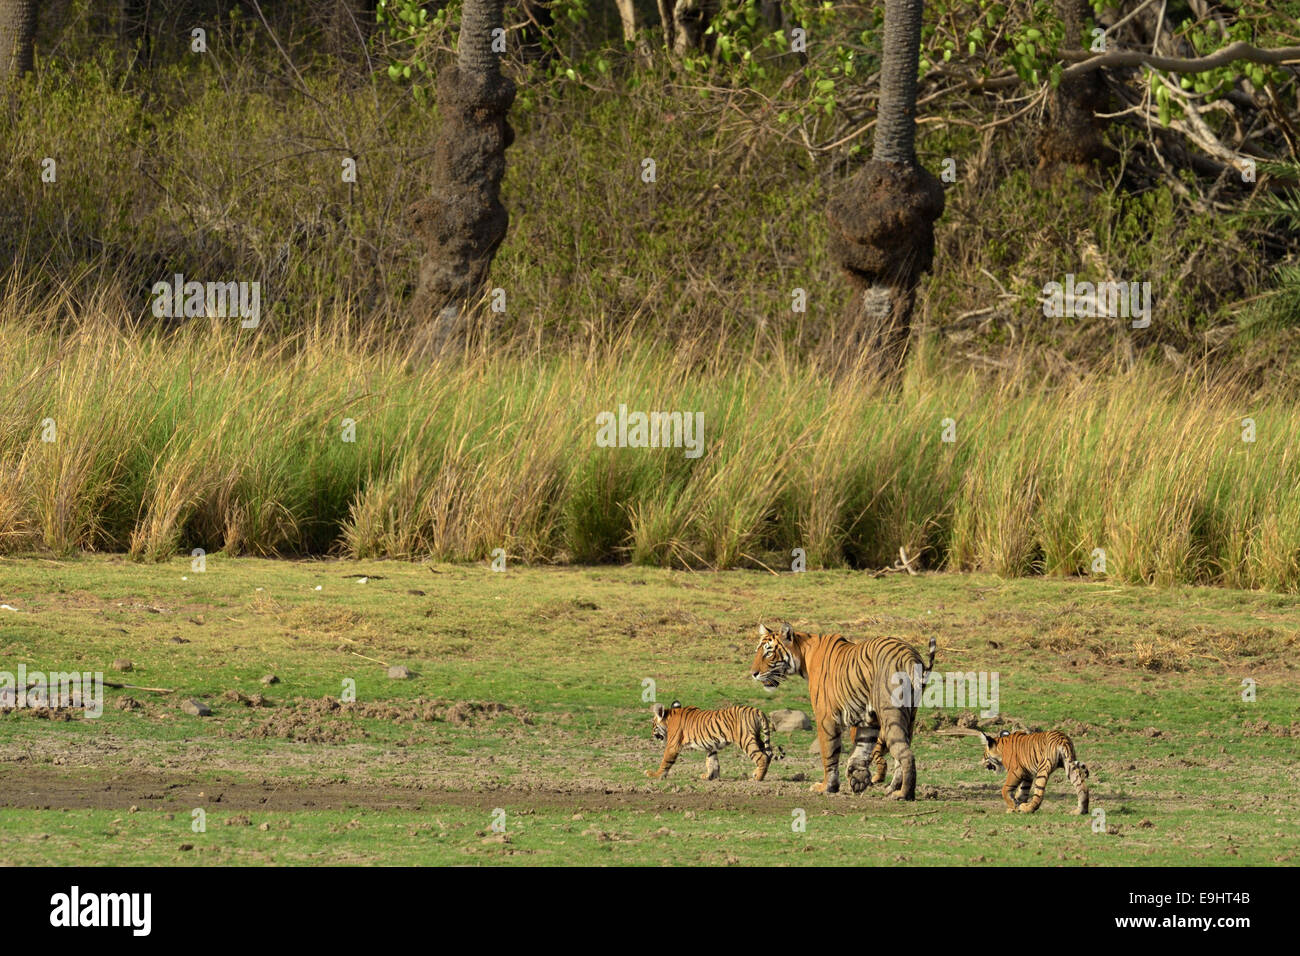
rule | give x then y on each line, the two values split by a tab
989	742
677	705
787	631
658	711
762	630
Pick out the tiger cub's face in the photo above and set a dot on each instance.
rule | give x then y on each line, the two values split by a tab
661	719
992	753
774	660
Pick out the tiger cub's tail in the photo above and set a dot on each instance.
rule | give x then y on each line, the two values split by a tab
774	752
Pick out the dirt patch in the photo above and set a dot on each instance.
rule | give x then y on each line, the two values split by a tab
43	713
1262	728
325	720
37	788
247	700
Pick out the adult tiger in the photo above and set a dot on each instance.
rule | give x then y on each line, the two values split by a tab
1030	758
711	730
873	685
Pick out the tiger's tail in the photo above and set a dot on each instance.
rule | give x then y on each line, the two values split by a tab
1070	761
930	665
776	752
1078	774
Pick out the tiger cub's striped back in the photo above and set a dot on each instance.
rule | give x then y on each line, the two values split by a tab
690	728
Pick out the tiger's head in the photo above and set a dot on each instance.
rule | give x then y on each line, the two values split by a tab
992	752
661	719
777	656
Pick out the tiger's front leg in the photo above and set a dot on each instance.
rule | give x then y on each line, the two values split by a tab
670	757
828	735
1012	782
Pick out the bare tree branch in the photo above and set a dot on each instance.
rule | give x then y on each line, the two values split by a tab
1085	62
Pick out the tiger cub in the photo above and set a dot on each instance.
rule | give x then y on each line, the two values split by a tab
711	730
1030	758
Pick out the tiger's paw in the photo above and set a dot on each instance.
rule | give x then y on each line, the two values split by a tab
652	773
859	781
1026	808
902	795
825	788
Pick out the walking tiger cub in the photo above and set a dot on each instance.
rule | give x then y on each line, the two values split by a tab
710	730
1030	758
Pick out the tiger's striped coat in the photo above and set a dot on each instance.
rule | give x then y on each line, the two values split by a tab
872	685
691	728
1029	759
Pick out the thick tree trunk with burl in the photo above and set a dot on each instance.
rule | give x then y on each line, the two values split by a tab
462	221
17	33
882	223
1074	134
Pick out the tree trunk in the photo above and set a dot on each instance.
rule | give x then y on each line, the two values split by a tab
684	23
882	224
462	222
17	33
632	30
1074	134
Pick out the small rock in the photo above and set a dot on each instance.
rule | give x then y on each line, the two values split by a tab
123	665
128	703
399	672
196	708
187	846
784	721
270	679
264	827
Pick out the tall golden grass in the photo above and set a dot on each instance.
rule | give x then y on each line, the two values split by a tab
224	439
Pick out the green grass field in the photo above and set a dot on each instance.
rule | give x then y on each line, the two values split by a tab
527	698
